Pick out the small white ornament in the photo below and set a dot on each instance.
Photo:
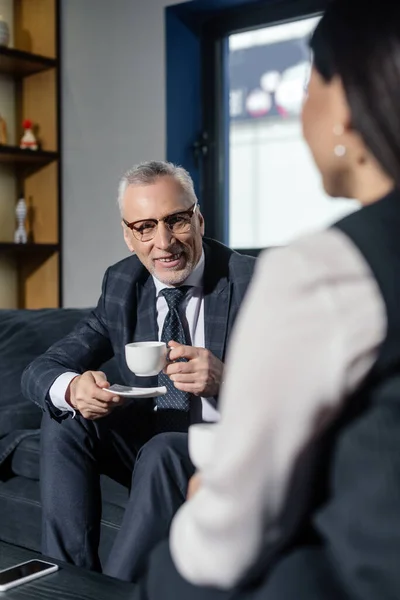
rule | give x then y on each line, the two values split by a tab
4	32
20	235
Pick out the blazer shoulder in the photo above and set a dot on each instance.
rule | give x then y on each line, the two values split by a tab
128	270
243	261
241	268
237	267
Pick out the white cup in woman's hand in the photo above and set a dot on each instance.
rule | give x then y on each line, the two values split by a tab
201	444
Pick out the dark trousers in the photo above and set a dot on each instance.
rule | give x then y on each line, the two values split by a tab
304	574
76	452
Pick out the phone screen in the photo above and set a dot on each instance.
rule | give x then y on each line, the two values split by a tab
20	571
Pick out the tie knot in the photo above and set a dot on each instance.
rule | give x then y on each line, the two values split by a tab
174	296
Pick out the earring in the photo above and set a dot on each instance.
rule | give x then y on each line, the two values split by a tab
340	150
338	129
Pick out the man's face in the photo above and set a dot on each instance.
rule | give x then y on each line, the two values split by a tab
168	256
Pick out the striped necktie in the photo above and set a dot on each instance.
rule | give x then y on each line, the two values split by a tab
173	408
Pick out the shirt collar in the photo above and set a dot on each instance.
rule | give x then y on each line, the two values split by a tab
195	278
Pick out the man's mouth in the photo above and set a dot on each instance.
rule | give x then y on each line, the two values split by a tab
171	258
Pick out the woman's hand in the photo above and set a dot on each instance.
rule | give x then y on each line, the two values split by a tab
194	485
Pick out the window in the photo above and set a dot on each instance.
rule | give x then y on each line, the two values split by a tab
258	184
275	192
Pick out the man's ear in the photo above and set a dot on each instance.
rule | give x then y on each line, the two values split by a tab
127	238
202	225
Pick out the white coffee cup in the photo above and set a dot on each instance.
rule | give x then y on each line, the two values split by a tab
201	441
146	358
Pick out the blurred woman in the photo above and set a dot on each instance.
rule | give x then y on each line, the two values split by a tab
302	499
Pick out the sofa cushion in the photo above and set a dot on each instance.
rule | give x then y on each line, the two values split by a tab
24	334
25	459
25	463
21	513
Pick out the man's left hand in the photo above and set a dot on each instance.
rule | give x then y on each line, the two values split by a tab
201	375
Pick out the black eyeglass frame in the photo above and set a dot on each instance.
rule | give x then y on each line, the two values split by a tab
133	226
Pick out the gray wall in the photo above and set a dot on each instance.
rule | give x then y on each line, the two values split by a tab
113	115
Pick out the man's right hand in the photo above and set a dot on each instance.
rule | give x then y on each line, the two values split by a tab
85	394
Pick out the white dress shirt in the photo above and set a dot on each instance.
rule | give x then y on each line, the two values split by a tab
307	335
192	312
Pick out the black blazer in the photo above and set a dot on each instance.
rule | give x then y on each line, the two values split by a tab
126	312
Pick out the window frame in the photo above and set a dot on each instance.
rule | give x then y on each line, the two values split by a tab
214	172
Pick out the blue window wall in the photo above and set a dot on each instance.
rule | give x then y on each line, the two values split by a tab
184	75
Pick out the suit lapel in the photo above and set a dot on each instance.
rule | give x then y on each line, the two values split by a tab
217	299
146	329
139	315
140	324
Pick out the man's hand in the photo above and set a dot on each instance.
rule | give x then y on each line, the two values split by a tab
201	375
194	486
85	395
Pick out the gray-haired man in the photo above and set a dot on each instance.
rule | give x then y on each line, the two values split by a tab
174	280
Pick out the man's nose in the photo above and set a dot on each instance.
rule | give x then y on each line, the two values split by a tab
164	236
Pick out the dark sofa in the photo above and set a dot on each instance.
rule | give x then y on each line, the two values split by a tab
24	334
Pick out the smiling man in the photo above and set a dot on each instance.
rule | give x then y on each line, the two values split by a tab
177	287
171	260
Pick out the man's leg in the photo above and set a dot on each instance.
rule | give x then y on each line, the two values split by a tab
159	485
73	455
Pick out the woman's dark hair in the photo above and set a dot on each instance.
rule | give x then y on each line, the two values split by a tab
360	42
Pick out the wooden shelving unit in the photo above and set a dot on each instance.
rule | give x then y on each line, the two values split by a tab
17	156
30	274
21	64
28	249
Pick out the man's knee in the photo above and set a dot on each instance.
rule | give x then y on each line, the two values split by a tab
164	458
168	449
164	445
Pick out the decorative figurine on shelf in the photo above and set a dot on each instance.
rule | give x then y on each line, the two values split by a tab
20	235
28	140
3	132
30	218
4	32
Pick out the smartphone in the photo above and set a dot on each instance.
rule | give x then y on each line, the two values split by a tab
24	572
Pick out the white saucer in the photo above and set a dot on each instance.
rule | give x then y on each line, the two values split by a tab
136	392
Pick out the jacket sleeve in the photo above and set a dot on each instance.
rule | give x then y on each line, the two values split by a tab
84	349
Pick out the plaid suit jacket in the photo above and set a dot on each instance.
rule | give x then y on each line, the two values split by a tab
126	312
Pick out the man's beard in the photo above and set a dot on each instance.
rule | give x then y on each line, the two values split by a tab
178	276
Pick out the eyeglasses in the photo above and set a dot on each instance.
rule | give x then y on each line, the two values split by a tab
176	223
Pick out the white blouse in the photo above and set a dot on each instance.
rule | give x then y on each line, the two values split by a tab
308	334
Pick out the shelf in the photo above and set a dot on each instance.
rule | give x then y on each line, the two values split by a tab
30	89
15	155
19	64
31	249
